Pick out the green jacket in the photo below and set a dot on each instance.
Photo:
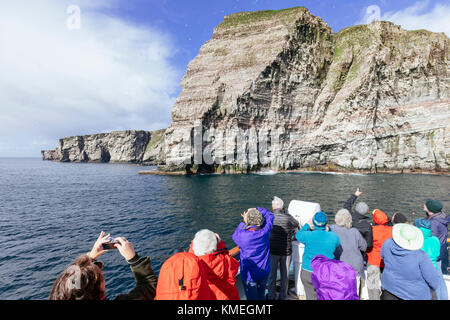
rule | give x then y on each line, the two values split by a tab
146	280
431	245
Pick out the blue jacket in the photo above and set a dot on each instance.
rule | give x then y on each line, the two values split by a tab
431	245
408	274
255	248
439	226
317	242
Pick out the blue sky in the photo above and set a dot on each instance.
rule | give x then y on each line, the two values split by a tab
121	69
191	22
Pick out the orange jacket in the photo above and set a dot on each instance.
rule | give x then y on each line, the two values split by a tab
381	233
182	277
221	269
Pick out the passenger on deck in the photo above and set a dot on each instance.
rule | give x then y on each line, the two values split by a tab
439	227
318	240
398	218
284	228
252	236
220	267
360	216
409	273
431	244
381	232
183	277
352	244
84	280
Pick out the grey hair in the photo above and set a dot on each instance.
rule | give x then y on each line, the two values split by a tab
277	203
343	218
362	208
205	242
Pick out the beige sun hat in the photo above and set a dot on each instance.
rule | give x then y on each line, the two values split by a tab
407	236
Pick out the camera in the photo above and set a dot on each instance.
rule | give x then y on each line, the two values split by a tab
110	244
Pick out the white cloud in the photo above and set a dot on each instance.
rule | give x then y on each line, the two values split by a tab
56	82
418	16
414	17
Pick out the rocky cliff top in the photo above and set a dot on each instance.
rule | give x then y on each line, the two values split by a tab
267	17
240	49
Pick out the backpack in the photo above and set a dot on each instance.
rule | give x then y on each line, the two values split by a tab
182	277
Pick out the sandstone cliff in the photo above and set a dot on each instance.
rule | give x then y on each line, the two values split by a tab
118	146
368	98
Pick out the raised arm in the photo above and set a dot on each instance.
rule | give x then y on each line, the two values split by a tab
144	275
302	234
237	234
268	217
351	201
146	280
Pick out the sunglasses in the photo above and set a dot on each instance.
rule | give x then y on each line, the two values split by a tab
99	264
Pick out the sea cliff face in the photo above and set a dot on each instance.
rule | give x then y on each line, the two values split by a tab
119	146
369	98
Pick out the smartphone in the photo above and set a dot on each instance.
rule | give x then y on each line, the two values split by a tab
110	244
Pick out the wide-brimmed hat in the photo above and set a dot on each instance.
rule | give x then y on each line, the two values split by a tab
407	236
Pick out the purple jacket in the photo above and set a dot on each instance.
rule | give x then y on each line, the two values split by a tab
439	227
333	279
255	248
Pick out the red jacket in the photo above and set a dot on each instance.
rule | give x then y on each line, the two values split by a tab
183	277
221	269
381	233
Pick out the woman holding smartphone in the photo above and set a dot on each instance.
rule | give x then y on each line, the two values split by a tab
84	280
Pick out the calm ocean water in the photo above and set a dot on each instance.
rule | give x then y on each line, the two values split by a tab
52	212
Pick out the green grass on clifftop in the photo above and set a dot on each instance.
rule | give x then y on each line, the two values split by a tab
244	18
156	138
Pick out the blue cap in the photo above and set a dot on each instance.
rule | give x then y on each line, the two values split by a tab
320	219
422	223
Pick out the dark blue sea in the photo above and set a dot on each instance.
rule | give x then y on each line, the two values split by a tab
52	212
